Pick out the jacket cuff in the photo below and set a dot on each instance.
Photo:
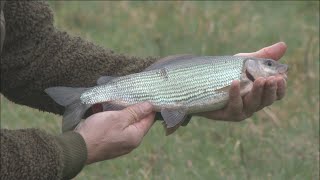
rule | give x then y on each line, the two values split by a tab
74	153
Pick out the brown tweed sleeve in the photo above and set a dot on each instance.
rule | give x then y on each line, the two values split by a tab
36	56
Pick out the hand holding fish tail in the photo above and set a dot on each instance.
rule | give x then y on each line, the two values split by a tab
264	92
111	134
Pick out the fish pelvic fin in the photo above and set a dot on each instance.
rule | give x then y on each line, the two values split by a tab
74	109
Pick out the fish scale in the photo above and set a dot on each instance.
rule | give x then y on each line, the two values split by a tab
181	84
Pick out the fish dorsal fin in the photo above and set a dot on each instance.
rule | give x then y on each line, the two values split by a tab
169	60
104	79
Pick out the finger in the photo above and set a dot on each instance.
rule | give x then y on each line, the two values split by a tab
252	101
145	124
281	87
235	104
216	115
136	112
275	51
269	93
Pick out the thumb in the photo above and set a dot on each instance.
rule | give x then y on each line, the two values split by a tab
275	52
136	112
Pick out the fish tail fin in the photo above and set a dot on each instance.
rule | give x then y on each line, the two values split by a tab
70	99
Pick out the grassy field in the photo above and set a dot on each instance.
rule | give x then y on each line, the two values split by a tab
281	142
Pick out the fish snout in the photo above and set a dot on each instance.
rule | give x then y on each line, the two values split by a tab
283	68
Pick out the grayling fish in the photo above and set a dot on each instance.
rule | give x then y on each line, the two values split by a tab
176	86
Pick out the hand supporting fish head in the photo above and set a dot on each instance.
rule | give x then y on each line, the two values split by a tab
259	67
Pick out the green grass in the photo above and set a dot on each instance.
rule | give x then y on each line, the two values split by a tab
281	144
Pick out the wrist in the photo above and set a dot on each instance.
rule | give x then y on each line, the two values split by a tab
89	149
74	153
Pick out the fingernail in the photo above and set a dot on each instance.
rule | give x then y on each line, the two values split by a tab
235	82
146	107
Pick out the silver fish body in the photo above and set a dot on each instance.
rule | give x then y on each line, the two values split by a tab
191	86
176	86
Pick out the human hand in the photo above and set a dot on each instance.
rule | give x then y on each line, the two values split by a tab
264	91
111	134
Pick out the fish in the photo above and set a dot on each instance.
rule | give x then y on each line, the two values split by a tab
176	86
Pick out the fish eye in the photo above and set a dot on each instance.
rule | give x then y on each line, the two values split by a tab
269	63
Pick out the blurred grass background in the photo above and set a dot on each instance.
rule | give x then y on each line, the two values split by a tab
281	142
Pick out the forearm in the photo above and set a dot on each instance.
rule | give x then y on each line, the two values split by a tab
36	56
33	154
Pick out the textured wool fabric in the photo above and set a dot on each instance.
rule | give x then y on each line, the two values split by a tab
35	55
34	154
30	154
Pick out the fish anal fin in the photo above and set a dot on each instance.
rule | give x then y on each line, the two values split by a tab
227	88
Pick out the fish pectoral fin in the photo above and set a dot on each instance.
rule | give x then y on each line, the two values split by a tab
227	88
104	79
173	119
224	89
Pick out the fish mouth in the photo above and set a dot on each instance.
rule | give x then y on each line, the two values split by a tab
249	76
